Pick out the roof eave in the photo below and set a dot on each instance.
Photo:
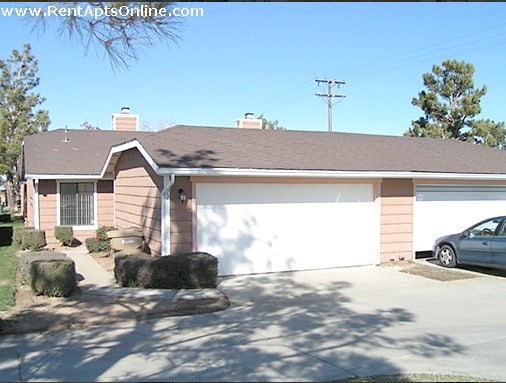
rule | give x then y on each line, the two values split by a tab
116	151
62	176
326	173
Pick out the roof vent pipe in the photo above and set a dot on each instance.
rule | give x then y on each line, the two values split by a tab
66	139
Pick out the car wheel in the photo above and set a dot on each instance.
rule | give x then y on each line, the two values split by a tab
447	256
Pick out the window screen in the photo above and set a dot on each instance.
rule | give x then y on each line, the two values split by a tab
76	204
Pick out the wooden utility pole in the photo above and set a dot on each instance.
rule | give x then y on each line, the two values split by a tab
329	96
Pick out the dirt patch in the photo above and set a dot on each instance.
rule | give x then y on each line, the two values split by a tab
429	270
34	313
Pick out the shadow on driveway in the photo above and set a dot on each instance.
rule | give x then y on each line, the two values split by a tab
294	326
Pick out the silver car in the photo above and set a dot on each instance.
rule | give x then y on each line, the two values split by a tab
483	244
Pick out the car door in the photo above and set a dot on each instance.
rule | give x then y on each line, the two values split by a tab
498	247
474	246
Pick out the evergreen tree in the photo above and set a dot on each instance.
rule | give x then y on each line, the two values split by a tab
19	115
450	104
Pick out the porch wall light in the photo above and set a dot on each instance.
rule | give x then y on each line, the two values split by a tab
182	195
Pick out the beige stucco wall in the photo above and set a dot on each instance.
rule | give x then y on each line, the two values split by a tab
48	209
137	198
105	203
29	217
396	219
181	217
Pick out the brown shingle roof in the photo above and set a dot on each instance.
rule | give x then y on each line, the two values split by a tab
208	147
83	154
185	146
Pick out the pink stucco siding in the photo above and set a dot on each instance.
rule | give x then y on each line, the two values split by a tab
137	198
48	205
396	220
181	217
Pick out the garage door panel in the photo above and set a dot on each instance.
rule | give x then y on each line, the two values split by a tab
295	234
441	210
281	194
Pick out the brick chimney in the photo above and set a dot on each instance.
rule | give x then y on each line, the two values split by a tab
249	122
125	120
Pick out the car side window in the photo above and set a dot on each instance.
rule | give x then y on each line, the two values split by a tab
485	229
502	229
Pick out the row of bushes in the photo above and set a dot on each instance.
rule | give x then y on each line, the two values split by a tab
51	273
33	239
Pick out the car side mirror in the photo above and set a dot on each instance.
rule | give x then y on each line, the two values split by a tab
466	233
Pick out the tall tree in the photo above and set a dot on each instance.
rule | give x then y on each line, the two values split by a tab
450	101
450	104
489	133
19	116
269	124
120	29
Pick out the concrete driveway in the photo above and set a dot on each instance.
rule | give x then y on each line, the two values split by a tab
299	326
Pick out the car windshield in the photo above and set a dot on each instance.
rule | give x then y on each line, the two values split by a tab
486	228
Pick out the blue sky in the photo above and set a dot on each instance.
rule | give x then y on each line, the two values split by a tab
264	58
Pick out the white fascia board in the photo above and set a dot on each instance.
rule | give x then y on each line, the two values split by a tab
326	174
126	146
63	176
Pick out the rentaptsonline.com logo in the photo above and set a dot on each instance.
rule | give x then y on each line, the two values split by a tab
97	12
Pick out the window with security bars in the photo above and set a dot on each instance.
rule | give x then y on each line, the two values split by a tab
77	204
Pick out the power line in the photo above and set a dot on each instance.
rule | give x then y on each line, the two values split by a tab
420	54
329	96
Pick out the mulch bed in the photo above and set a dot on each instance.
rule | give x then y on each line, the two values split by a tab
431	271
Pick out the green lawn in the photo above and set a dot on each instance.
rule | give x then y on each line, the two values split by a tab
8	265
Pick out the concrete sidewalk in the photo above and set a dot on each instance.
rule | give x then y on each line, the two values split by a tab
91	272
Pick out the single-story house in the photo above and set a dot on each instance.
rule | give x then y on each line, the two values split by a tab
262	200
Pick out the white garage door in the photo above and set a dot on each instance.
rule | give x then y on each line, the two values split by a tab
258	228
441	210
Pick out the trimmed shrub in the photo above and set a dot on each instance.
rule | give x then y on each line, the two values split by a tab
5	235
127	268
33	239
18	233
64	234
56	278
5	217
102	232
101	242
94	245
26	260
185	271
